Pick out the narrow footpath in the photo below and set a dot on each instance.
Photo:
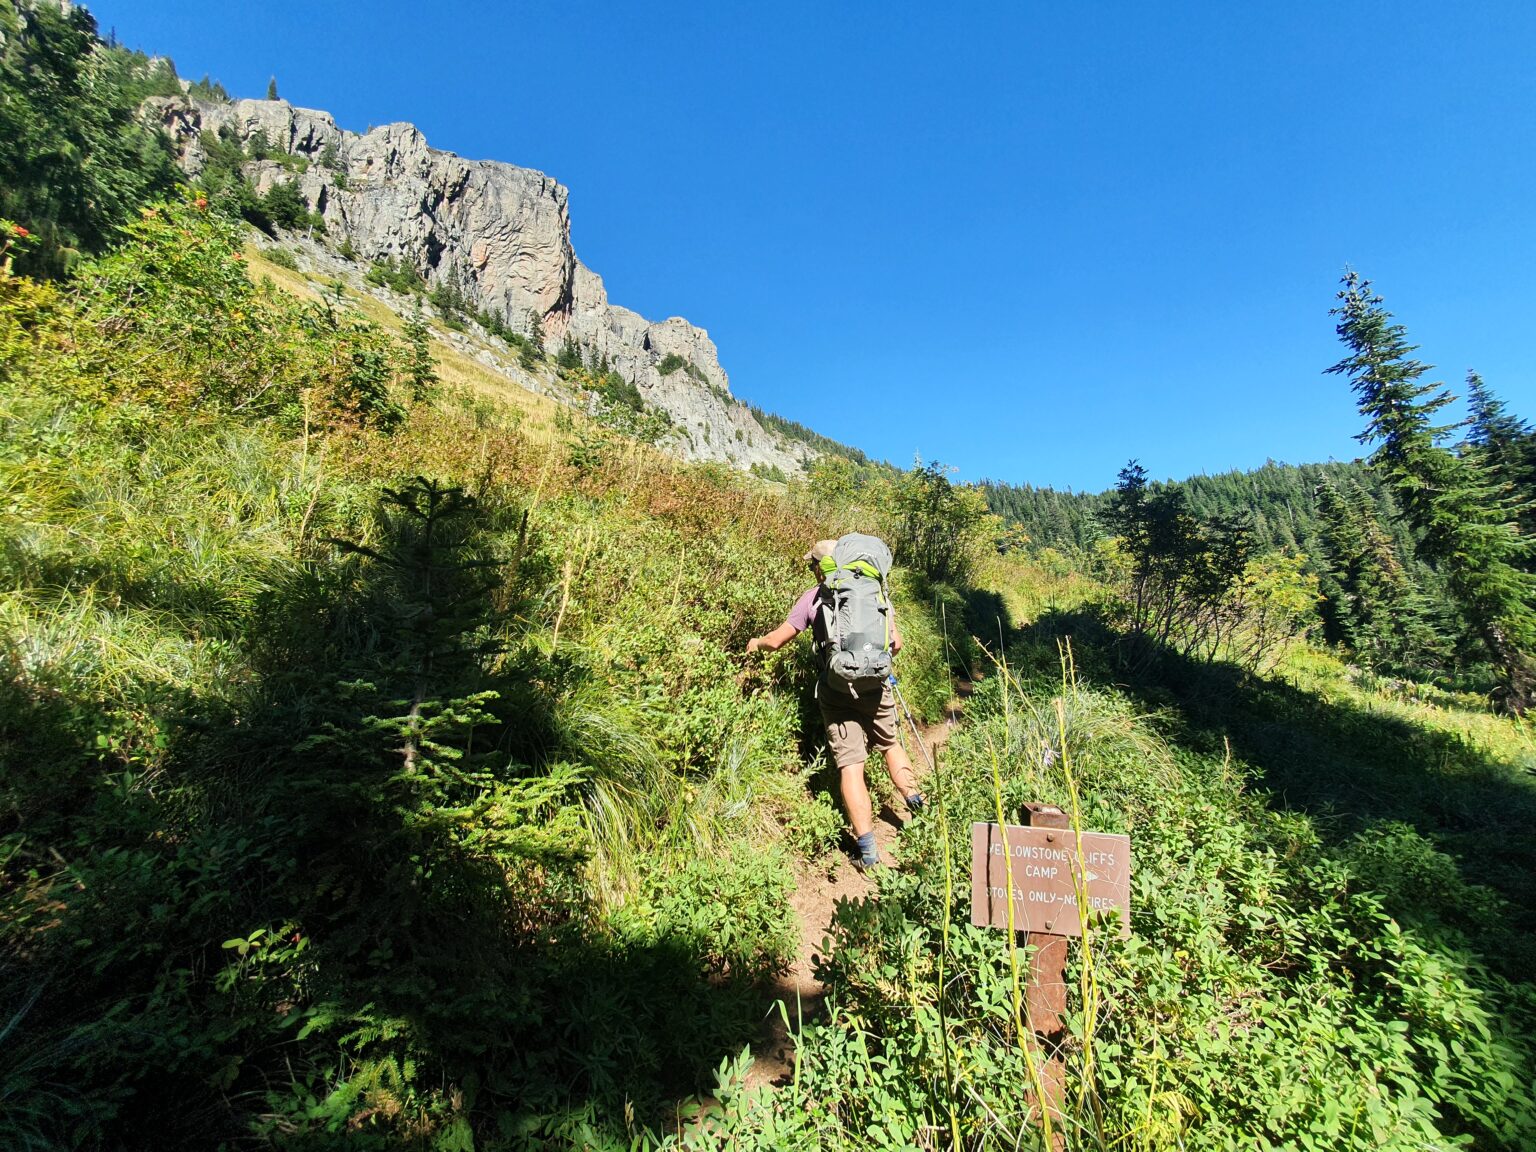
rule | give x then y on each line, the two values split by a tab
817	891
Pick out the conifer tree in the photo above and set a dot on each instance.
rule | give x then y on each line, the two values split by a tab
272	88
209	89
1126	513
1341	551
420	370
1370	602
1463	525
259	146
405	784
1505	445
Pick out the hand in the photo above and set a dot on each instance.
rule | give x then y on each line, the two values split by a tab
895	645
754	644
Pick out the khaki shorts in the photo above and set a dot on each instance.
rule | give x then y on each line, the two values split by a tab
855	727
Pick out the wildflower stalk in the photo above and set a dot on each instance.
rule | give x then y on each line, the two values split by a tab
1023	1025
1088	985
949	904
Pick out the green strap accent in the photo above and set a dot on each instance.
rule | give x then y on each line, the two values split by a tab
860	567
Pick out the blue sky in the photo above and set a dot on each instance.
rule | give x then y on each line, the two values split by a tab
1029	240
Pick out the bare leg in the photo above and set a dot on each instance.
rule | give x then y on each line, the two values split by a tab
856	799
899	767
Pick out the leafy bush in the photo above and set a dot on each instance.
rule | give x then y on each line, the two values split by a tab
732	910
939	528
284	206
396	275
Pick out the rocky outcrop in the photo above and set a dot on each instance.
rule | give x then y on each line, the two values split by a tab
498	233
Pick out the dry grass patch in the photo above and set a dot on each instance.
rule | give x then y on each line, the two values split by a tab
455	369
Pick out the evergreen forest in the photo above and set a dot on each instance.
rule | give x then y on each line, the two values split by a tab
382	767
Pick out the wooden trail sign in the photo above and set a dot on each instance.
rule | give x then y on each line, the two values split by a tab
1047	871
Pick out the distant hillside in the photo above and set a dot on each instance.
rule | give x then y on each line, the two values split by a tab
1281	497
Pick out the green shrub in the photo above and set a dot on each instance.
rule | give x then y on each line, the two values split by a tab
940	528
284	206
732	910
397	275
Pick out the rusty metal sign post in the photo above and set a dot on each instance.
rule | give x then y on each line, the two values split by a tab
1049	874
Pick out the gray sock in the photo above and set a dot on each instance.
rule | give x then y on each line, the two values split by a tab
867	851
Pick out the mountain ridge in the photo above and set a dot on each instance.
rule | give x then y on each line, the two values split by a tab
494	232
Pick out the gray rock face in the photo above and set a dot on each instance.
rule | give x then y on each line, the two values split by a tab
501	235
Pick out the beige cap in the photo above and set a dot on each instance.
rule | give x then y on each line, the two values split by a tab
819	551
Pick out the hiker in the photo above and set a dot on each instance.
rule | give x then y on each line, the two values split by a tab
856	720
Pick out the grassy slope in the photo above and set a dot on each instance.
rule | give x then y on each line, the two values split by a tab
226	908
457	371
204	938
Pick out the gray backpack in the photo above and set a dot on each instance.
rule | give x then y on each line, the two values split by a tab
855	610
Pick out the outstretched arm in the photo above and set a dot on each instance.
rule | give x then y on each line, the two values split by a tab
774	640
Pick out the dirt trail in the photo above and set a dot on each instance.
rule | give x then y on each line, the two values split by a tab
814	900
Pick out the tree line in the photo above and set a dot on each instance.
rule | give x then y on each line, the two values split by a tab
1282	498
1422	552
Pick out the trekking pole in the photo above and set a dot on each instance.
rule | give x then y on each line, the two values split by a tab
907	712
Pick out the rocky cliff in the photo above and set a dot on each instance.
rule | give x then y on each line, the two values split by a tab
498	233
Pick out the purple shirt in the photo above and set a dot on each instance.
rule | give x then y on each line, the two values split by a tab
803	614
